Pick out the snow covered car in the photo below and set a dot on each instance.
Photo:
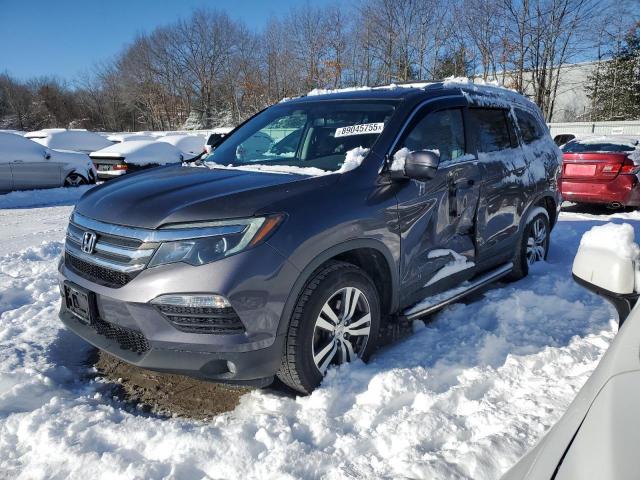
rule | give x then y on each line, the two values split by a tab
127	137
602	170
189	145
25	164
215	136
133	155
72	140
393	203
599	434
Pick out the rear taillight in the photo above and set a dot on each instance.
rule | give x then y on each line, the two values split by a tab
629	167
120	166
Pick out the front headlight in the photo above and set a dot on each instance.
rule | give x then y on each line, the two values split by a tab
213	240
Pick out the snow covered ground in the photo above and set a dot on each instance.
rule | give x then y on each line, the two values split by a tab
464	397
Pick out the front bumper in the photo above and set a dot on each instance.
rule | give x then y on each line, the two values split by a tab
623	189
255	282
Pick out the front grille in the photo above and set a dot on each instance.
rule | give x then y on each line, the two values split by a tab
217	321
95	273
114	259
127	338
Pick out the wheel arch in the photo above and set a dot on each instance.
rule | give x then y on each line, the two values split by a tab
358	252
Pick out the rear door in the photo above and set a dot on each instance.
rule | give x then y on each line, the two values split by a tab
437	217
505	186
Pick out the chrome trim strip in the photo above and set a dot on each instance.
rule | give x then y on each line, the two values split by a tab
119	267
124	252
129	253
148	235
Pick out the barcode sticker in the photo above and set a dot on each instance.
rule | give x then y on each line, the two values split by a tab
362	129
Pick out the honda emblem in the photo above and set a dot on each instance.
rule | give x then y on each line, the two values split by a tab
88	242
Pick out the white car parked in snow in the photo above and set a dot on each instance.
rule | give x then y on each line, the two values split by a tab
73	140
189	145
133	155
25	164
127	137
599	434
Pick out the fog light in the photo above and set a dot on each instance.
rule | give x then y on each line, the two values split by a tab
212	301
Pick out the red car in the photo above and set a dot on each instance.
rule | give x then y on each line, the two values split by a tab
602	170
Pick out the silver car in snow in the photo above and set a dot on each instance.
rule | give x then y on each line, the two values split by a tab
25	164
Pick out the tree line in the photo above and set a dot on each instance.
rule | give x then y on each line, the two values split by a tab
209	70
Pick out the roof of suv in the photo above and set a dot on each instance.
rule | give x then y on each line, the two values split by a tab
483	93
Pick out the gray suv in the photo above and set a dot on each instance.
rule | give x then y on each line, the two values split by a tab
372	208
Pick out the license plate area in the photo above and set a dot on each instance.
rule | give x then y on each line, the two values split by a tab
104	168
579	170
80	302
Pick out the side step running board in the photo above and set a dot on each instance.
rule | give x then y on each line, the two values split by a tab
440	300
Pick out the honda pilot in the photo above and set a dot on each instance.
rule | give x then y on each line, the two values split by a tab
372	208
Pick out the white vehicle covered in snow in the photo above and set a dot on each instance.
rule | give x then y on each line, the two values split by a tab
25	164
133	155
189	145
127	137
599	434
66	139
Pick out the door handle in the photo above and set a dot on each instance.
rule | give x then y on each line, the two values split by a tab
17	161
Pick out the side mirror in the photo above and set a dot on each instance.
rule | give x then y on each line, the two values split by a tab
608	271
419	165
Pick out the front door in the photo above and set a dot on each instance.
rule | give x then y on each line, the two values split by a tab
438	217
30	172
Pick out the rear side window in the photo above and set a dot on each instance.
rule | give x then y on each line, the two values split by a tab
530	127
442	131
492	129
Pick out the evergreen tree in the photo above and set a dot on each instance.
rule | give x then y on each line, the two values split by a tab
614	88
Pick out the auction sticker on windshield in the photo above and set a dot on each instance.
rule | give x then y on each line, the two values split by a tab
362	129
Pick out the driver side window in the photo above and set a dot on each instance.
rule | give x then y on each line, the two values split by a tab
441	131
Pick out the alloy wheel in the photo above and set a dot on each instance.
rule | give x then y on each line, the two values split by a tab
74	180
341	331
536	243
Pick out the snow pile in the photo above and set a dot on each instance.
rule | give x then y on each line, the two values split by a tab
282	169
399	159
353	159
74	140
391	86
613	237
457	264
464	397
37	198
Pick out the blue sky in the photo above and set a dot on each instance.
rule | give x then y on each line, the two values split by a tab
66	38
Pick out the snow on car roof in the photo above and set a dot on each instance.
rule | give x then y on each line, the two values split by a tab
124	137
141	152
626	140
188	144
18	146
63	139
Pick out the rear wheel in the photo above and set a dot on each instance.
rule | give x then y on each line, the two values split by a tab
336	320
534	245
75	180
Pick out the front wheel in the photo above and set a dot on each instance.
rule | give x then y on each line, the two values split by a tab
534	245
75	180
336	320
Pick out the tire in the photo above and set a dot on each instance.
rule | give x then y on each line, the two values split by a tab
533	246
315	340
75	180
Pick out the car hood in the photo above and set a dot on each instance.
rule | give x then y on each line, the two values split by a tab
177	194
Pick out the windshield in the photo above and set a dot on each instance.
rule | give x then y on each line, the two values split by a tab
578	147
315	134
